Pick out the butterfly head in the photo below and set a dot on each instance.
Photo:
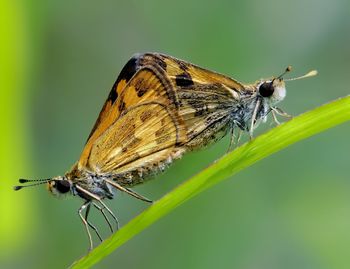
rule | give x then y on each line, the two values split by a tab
275	89
58	186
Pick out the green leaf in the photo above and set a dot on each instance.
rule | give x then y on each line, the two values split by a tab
297	129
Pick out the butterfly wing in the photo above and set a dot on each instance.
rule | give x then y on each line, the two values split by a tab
200	99
206	99
142	141
146	87
106	116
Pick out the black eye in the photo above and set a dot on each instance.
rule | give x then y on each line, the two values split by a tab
62	186
266	89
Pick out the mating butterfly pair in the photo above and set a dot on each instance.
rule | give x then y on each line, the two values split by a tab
159	108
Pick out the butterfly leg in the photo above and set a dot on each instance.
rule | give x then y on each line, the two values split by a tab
280	112
277	111
104	206
105	217
232	139
99	200
89	223
239	135
128	191
275	117
83	207
253	120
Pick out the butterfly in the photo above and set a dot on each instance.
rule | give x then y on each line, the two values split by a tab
212	104
159	108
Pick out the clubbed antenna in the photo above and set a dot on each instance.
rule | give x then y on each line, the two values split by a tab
38	182
288	69
307	75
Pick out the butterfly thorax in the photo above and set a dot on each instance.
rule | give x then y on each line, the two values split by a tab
241	113
90	182
256	102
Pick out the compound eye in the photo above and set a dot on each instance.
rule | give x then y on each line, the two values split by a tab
62	186
266	89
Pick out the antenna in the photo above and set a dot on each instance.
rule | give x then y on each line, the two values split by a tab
38	182
288	69
307	75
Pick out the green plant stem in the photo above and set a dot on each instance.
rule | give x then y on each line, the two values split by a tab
297	129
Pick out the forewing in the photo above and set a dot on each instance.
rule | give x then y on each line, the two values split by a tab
206	98
141	139
148	84
106	116
202	99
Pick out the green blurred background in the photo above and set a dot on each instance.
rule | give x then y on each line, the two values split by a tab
59	60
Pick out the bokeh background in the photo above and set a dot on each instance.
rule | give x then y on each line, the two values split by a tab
58	61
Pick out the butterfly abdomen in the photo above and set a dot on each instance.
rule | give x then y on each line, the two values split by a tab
146	168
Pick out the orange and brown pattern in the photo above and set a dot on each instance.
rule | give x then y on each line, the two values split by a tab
159	108
210	104
178	106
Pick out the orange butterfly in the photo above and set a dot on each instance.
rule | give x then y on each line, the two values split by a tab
211	104
137	134
159	108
